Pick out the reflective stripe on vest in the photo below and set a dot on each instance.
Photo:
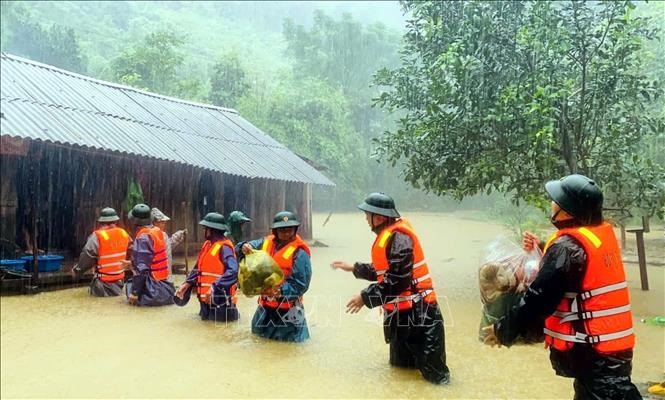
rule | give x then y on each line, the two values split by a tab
211	267
415	266
591	339
159	267
284	259
581	315
113	244
600	314
421	281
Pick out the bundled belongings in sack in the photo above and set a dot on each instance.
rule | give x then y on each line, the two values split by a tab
504	277
257	272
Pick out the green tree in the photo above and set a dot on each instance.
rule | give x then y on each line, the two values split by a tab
655	68
228	81
152	64
506	95
311	118
65	51
190	88
24	36
345	54
157	64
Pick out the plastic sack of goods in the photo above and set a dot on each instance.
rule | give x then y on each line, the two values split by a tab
257	272
504	276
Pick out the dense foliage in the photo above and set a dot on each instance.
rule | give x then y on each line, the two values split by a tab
56	45
475	96
506	95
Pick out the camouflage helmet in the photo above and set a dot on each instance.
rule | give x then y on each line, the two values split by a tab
158	215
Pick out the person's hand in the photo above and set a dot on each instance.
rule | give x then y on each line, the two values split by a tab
180	293
133	299
208	297
271	292
75	273
246	248
341	265
126	264
529	241
355	304
490	336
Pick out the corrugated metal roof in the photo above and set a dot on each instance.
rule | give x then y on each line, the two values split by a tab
41	102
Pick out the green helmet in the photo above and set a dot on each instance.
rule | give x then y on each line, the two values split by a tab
284	219
214	220
379	203
579	196
238	216
141	215
108	214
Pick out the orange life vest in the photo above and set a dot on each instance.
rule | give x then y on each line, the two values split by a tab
284	258
421	281
211	267
159	268
113	244
600	314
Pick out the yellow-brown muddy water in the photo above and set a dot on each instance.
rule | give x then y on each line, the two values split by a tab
65	344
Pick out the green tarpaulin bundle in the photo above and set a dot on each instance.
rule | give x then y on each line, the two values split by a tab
258	271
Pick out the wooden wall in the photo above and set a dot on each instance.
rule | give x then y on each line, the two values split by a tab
70	186
270	197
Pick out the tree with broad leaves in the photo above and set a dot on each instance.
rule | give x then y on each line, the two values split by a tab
503	96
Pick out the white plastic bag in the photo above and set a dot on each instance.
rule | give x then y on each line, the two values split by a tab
506	268
505	273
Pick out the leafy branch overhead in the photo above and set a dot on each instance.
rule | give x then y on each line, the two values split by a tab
502	96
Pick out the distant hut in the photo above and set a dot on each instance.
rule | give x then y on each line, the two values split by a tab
71	144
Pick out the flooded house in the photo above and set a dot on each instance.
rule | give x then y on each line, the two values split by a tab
72	145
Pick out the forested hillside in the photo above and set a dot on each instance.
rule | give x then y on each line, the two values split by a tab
373	89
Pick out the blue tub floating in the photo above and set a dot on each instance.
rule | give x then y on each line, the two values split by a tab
12	264
46	263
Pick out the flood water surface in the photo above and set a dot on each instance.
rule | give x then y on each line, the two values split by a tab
65	344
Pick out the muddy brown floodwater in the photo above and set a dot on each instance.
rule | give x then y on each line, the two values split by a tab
65	344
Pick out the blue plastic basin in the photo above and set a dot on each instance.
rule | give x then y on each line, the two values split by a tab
13	264
46	263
